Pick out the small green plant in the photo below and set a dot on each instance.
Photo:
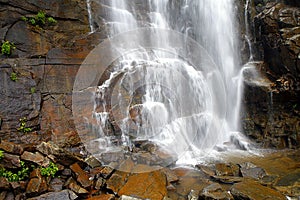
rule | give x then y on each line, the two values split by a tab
7	48
22	174
13	76
50	170
25	19
1	154
23	128
39	20
32	90
51	20
32	21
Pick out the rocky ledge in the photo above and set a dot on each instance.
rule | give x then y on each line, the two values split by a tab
47	171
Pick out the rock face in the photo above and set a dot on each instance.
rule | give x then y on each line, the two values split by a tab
279	33
45	63
272	111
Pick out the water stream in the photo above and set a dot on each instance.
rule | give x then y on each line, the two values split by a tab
157	95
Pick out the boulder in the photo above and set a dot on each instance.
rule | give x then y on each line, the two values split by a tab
11	147
251	171
36	157
223	169
82	177
37	184
151	185
215	191
10	161
72	185
64	194
252	190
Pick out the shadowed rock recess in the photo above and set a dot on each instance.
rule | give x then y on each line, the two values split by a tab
42	157
272	110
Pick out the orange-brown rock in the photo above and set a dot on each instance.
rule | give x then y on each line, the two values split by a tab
37	184
230	169
215	191
252	190
11	147
82	177
36	157
150	185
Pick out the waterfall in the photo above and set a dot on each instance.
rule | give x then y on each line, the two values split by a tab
160	95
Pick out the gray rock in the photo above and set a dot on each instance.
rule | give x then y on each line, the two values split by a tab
215	191
250	170
10	161
64	194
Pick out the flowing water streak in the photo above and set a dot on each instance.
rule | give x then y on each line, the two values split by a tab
247	11
193	120
88	5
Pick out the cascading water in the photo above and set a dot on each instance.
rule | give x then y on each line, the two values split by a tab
158	95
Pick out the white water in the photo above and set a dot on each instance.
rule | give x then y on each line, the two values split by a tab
187	110
88	5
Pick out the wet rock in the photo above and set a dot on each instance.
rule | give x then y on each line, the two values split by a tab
251	171
151	185
223	169
268	180
289	184
64	194
4	184
11	147
270	119
109	157
171	176
215	191
227	179
249	189
72	185
10	161
189	180
207	170
34	157
82	177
